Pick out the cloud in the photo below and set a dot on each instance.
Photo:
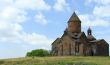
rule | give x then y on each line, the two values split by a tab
35	38
23	37
102	2
26	4
61	5
101	7
102	11
16	11
32	4
89	20
40	18
13	14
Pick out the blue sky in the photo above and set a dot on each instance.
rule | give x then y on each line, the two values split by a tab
32	24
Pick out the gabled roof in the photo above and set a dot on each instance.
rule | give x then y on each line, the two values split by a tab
91	37
96	40
74	18
100	40
56	41
77	35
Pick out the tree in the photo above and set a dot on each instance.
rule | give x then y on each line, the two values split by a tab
38	52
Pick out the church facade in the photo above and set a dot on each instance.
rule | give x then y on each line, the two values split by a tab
77	43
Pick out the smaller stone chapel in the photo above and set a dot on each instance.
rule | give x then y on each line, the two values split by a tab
75	42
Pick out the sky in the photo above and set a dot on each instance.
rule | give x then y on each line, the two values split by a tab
34	24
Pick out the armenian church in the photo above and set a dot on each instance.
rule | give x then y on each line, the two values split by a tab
75	42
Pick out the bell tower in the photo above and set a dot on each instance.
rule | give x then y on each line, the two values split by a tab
89	31
74	24
90	37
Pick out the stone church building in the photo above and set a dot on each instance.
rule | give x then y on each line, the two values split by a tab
75	42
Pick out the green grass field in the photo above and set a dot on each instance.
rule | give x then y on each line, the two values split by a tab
63	60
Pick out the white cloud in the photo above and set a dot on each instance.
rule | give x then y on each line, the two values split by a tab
100	14
16	11
102	11
61	5
32	4
88	20
40	18
103	2
13	14
101	7
35	38
26	4
23	37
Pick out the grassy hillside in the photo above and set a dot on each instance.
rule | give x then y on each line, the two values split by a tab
69	60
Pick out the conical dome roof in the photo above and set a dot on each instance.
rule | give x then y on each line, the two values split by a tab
74	18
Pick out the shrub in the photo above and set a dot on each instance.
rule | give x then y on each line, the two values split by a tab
38	52
1	62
